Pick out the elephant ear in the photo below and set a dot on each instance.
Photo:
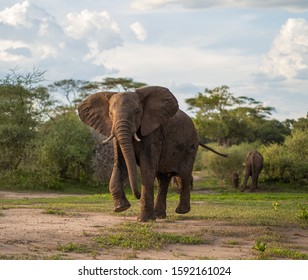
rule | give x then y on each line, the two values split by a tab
94	111
159	104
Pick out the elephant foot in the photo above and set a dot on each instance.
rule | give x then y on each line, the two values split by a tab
146	218
160	215
121	206
182	209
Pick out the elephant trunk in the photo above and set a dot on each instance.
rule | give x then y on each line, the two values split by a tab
124	138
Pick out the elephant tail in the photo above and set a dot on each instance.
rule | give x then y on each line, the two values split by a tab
212	150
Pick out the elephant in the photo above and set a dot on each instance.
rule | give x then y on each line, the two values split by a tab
253	166
235	180
147	129
176	181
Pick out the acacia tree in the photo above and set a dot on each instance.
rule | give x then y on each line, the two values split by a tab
120	84
226	119
70	92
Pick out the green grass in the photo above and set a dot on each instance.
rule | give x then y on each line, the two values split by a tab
283	253
238	208
268	210
73	247
143	237
55	212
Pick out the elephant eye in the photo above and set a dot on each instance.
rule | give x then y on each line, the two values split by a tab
138	111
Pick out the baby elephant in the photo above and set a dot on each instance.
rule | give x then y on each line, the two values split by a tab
235	180
253	167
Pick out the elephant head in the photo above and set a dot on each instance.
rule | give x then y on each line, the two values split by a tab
124	116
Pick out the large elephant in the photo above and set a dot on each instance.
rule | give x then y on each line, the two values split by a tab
148	130
253	167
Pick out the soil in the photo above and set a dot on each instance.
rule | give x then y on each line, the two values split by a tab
32	234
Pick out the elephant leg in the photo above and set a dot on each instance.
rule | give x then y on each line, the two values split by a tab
161	197
184	204
116	189
147	197
254	184
244	186
118	176
149	157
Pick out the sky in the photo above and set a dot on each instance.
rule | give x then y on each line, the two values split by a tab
259	48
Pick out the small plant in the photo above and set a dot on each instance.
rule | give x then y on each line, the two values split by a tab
276	205
73	247
55	212
303	212
260	246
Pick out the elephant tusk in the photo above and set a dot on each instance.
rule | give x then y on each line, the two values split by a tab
136	137
108	139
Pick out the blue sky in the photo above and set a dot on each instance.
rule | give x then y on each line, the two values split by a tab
259	48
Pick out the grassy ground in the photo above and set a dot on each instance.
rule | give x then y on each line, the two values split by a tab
271	211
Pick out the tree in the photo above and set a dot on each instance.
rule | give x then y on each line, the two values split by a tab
70	92
120	84
226	119
22	108
301	123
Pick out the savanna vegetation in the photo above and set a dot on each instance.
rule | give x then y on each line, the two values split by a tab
44	146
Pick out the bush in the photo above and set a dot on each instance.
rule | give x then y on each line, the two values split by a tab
288	162
66	148
221	167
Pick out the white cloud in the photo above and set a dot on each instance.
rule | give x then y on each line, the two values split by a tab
16	15
31	36
143	5
87	23
292	5
97	30
156	64
139	30
288	57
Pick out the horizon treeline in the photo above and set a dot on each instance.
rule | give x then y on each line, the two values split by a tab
43	144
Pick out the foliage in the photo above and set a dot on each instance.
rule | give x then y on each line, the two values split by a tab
288	162
67	92
221	167
22	108
43	144
260	246
66	148
226	119
73	247
121	83
303	212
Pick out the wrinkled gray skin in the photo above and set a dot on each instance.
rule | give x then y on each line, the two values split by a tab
150	131
253	167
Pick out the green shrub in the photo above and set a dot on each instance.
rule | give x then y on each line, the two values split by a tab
287	162
66	148
221	167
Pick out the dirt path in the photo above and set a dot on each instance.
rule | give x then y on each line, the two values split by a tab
31	233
